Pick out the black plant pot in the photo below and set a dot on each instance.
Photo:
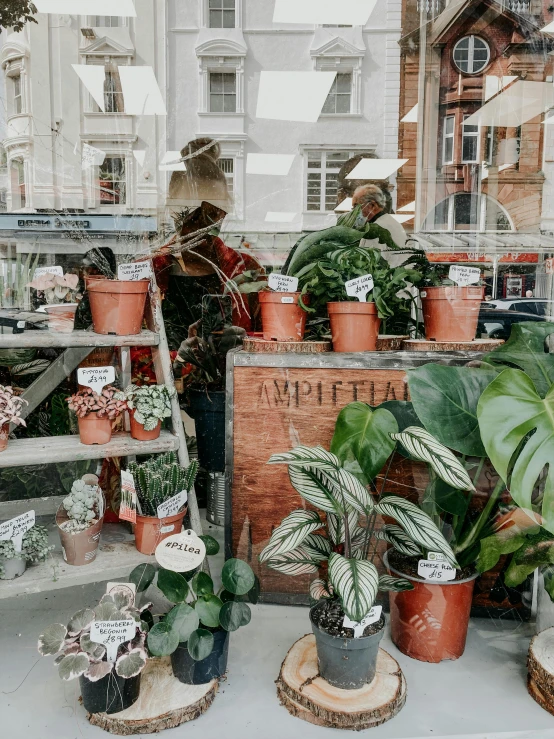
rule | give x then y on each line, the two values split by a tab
208	411
190	672
111	694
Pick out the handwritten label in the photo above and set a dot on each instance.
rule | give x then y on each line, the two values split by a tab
128	505
173	505
287	301
359	626
134	271
464	275
436	568
39	271
181	552
111	634
359	287
95	377
282	283
127	590
15	528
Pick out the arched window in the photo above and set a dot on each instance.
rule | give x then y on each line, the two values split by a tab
466	211
471	54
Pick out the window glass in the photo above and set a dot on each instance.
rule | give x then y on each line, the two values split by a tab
223	92
340	95
112	182
471	54
222	13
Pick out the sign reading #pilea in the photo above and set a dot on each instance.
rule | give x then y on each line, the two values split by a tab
181	552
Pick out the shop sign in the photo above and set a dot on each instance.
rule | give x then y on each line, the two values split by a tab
464	275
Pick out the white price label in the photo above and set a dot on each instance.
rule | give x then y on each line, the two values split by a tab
360	287
39	271
464	275
282	283
111	634
287	301
359	626
134	271
436	568
95	377
15	528
126	590
181	552
128	505
173	505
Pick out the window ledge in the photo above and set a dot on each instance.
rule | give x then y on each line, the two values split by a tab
341	115
223	115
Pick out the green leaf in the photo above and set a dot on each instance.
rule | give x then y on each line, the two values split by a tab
208	607
81	620
234	615
314	457
311	484
356	583
200	644
548	575
253	595
202	584
399	539
73	665
447	498
182	620
162	639
94	650
173	586
317	546
105	610
237	577
142	576
297	562
52	639
130	664
337	529
319	589
291	532
493	547
403	411
212	546
394	584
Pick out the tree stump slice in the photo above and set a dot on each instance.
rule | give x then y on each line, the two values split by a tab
540	665
479	345
307	696
390	343
163	703
283	347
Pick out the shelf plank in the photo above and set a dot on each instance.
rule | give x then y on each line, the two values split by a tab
53	339
50	449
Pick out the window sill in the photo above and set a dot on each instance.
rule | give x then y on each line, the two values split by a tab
223	115
341	115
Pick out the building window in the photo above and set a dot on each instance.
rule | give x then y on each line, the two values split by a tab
448	140
221	13
322	179
227	166
471	54
223	92
339	99
112	182
113	92
106	21
17	99
19	193
466	211
470	143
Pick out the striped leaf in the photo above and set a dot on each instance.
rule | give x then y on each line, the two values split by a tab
417	525
309	483
317	546
335	526
346	487
320	589
396	584
356	583
425	448
297	562
313	456
291	532
399	539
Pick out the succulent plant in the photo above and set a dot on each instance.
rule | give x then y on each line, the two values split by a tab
82	506
11	406
34	548
159	479
105	403
151	403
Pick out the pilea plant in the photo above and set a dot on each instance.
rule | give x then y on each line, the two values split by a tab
11	406
78	655
150	403
34	548
82	505
159	479
106	403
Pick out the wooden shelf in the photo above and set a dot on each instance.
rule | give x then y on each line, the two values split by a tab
49	449
49	339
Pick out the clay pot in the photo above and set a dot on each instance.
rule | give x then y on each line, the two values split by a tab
78	548
4	435
138	431
430	622
61	318
282	317
451	313
354	326
94	430
117	306
100	357
150	531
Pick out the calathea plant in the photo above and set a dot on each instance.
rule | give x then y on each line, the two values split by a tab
150	403
159	479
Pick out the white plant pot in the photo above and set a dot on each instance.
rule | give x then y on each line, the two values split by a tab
12	568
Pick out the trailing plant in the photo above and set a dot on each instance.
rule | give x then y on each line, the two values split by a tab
151	403
78	655
159	479
106	404
11	406
34	548
84	506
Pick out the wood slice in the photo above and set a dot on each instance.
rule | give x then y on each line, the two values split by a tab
479	345
539	695
163	703
308	696
540	662
282	347
386	343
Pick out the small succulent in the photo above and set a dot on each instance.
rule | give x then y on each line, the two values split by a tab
105	403
82	506
34	548
11	406
151	403
159	479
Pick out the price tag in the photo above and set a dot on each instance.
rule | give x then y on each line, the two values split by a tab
287	301
16	527
134	271
111	634
95	377
360	287
359	626
123	590
282	283
39	271
436	568
173	505
464	275
181	552
128	505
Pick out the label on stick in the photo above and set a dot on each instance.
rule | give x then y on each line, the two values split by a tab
111	634
282	283
173	505
128	505
359	626
39	271
15	528
436	568
464	275
95	377
134	271
359	287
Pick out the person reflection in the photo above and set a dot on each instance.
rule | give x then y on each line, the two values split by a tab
203	178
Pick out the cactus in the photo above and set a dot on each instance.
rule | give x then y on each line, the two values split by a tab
159	479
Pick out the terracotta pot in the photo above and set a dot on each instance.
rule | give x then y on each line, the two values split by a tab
90	278
61	318
94	430
354	326
138	431
4	434
99	357
150	531
451	313
117	306
430	622
282	317
78	548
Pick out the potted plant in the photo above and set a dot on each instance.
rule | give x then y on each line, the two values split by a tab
355	322
11	406
79	520
34	548
282	316
195	631
347	537
95	413
59	293
117	306
156	481
148	405
107	686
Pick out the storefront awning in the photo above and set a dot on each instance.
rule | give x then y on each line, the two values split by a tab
466	246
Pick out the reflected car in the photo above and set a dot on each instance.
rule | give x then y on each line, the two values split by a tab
533	306
496	323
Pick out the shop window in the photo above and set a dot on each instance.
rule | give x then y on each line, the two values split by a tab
470	142
221	13
112	181
339	99
468	212
322	178
448	140
223	92
471	54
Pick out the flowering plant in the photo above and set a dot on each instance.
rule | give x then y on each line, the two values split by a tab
11	406
151	403
56	288
105	403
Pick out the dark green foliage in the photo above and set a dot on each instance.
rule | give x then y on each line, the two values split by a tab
15	13
159	479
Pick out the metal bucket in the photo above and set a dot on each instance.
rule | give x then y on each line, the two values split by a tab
215	512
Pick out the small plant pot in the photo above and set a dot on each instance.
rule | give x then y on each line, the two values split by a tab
282	317
354	326
117	306
190	672
61	318
4	436
79	548
139	432
451	313
12	568
94	430
208	411
150	531
111	694
430	622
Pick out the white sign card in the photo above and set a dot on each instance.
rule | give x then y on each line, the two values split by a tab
111	634
127	589
181	552
58	271
360	626
287	301
16	527
134	271
359	287
173	505
464	275
95	377
282	283
436	568
128	505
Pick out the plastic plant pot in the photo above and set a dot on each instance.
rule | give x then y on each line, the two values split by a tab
208	411
451	313
150	531
81	547
4	435
61	318
282	317
12	568
354	326
190	672
139	432
94	430
111	694
117	306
